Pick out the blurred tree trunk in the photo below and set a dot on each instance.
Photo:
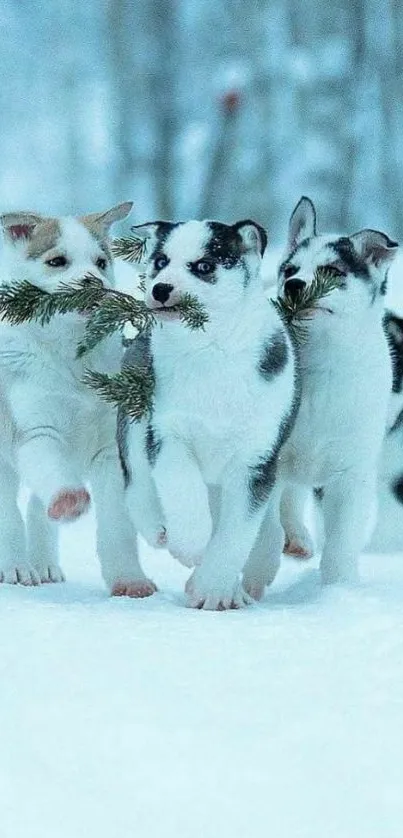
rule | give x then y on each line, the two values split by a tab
141	38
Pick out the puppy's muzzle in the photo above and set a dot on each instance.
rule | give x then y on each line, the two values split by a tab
293	288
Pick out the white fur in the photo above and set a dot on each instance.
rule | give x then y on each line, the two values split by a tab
337	436
56	434
216	418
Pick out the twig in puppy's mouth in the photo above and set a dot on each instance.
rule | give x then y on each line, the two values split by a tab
188	309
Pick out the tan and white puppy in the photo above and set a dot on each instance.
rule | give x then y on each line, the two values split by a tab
56	436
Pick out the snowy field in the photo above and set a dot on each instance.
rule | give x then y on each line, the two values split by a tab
126	718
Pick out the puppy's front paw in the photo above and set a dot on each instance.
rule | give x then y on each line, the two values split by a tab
50	573
215	594
136	589
69	504
19	573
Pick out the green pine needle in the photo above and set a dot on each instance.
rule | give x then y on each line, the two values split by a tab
191	312
301	307
131	248
21	302
110	315
131	389
106	309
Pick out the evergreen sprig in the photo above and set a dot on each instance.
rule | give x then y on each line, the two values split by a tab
21	302
131	389
131	248
106	309
191	311
295	310
110	315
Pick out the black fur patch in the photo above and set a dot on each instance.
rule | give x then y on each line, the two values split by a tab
224	246
383	288
393	326
138	353
274	356
153	445
162	230
345	251
121	436
261	481
247	276
397	489
263	475
319	492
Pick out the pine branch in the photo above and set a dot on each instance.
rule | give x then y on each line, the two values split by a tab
106	309
110	315
293	310
21	302
131	389
191	312
131	248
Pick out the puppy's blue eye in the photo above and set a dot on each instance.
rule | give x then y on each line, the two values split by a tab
160	262
101	263
57	262
204	267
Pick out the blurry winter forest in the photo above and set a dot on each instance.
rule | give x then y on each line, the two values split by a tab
205	108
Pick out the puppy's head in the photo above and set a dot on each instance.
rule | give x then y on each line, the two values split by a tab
214	262
50	251
360	262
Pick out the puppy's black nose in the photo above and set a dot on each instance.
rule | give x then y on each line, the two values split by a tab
294	287
161	292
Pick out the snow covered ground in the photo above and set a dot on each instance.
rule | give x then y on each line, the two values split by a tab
143	719
126	718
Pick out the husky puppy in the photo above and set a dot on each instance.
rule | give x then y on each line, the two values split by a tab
55	434
225	400
346	382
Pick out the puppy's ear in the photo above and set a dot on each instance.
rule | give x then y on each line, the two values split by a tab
100	222
375	247
18	226
302	224
253	236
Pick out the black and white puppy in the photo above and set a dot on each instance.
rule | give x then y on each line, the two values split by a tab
346	382
225	399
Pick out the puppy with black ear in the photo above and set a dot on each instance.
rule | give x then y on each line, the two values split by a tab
346	379
225	400
55	434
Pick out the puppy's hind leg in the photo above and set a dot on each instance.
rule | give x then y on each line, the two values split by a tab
42	542
142	499
349	510
15	566
264	559
116	536
298	542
